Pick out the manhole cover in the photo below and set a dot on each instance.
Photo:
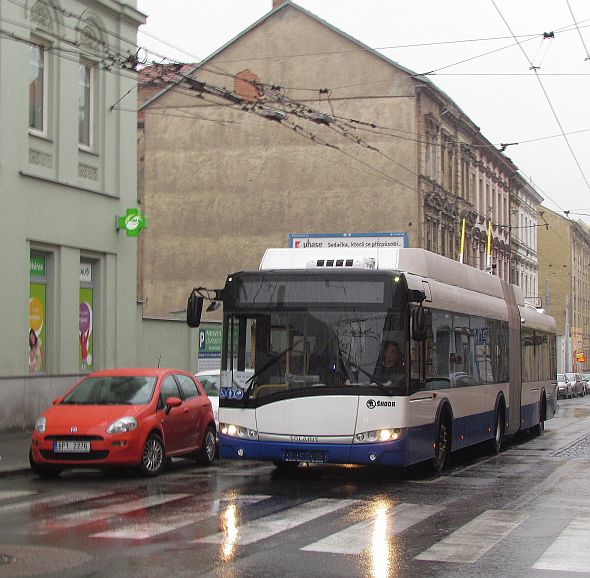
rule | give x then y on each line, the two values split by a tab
6	559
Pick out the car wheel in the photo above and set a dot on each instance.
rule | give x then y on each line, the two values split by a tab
443	444
47	472
206	455
153	456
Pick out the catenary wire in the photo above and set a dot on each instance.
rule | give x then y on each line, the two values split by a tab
546	96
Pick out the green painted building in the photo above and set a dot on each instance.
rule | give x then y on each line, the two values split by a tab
68	171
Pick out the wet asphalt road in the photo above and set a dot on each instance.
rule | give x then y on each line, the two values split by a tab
523	513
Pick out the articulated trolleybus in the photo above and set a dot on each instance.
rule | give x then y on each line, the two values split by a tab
384	356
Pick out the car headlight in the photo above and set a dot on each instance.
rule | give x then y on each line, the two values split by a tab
237	431
41	425
122	425
379	435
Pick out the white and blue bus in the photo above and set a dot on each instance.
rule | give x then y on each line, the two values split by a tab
303	344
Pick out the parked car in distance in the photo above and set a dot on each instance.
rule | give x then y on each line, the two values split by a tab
210	382
586	378
125	417
577	383
564	389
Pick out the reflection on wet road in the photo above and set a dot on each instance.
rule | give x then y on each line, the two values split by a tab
520	513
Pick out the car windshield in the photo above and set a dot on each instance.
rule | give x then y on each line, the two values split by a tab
210	383
586	376
571	376
112	390
560	377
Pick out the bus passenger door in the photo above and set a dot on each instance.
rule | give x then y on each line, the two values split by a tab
515	367
423	397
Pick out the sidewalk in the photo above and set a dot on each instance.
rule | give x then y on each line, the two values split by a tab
14	452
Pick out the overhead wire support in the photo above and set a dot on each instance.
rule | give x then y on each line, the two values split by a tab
545	94
587	59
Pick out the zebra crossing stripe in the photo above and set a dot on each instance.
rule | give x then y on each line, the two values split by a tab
470	542
263	528
59	500
180	519
95	514
569	552
384	523
10	494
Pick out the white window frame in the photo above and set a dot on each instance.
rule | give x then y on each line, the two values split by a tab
90	105
43	49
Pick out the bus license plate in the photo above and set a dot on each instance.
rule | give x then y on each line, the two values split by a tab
72	447
312	456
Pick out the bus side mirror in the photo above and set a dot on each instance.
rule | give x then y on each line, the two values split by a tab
419	324
194	308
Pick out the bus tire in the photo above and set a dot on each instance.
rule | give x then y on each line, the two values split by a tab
496	443
442	447
538	429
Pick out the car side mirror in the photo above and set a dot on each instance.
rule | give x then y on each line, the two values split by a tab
56	401
172	402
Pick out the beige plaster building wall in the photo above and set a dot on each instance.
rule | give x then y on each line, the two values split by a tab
564	274
221	182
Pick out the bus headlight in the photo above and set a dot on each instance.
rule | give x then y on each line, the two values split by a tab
379	435
237	431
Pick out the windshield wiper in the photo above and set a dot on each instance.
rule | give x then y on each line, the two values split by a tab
348	361
270	363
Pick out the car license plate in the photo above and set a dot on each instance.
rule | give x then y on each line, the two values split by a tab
72	447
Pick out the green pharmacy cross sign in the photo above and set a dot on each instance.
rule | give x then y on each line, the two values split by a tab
132	222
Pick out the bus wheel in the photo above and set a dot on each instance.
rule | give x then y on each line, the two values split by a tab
443	444
497	441
538	429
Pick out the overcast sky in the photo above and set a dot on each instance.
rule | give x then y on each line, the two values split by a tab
499	92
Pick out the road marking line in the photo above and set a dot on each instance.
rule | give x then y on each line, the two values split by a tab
361	536
95	514
268	526
9	494
470	542
180	519
569	551
59	500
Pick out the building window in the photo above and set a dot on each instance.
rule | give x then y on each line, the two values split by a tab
37	312
450	171
37	87
86	325
482	200
85	117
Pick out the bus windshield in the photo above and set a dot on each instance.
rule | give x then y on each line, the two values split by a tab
318	352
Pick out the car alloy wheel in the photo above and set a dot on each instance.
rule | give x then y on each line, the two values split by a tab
153	456
206	454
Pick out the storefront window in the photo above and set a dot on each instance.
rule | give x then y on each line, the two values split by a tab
85	333
37	330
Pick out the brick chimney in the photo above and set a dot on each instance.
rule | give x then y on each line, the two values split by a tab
276	3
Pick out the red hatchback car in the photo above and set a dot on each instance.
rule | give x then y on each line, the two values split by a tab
125	417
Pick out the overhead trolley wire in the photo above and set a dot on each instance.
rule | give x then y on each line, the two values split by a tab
546	95
587	59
